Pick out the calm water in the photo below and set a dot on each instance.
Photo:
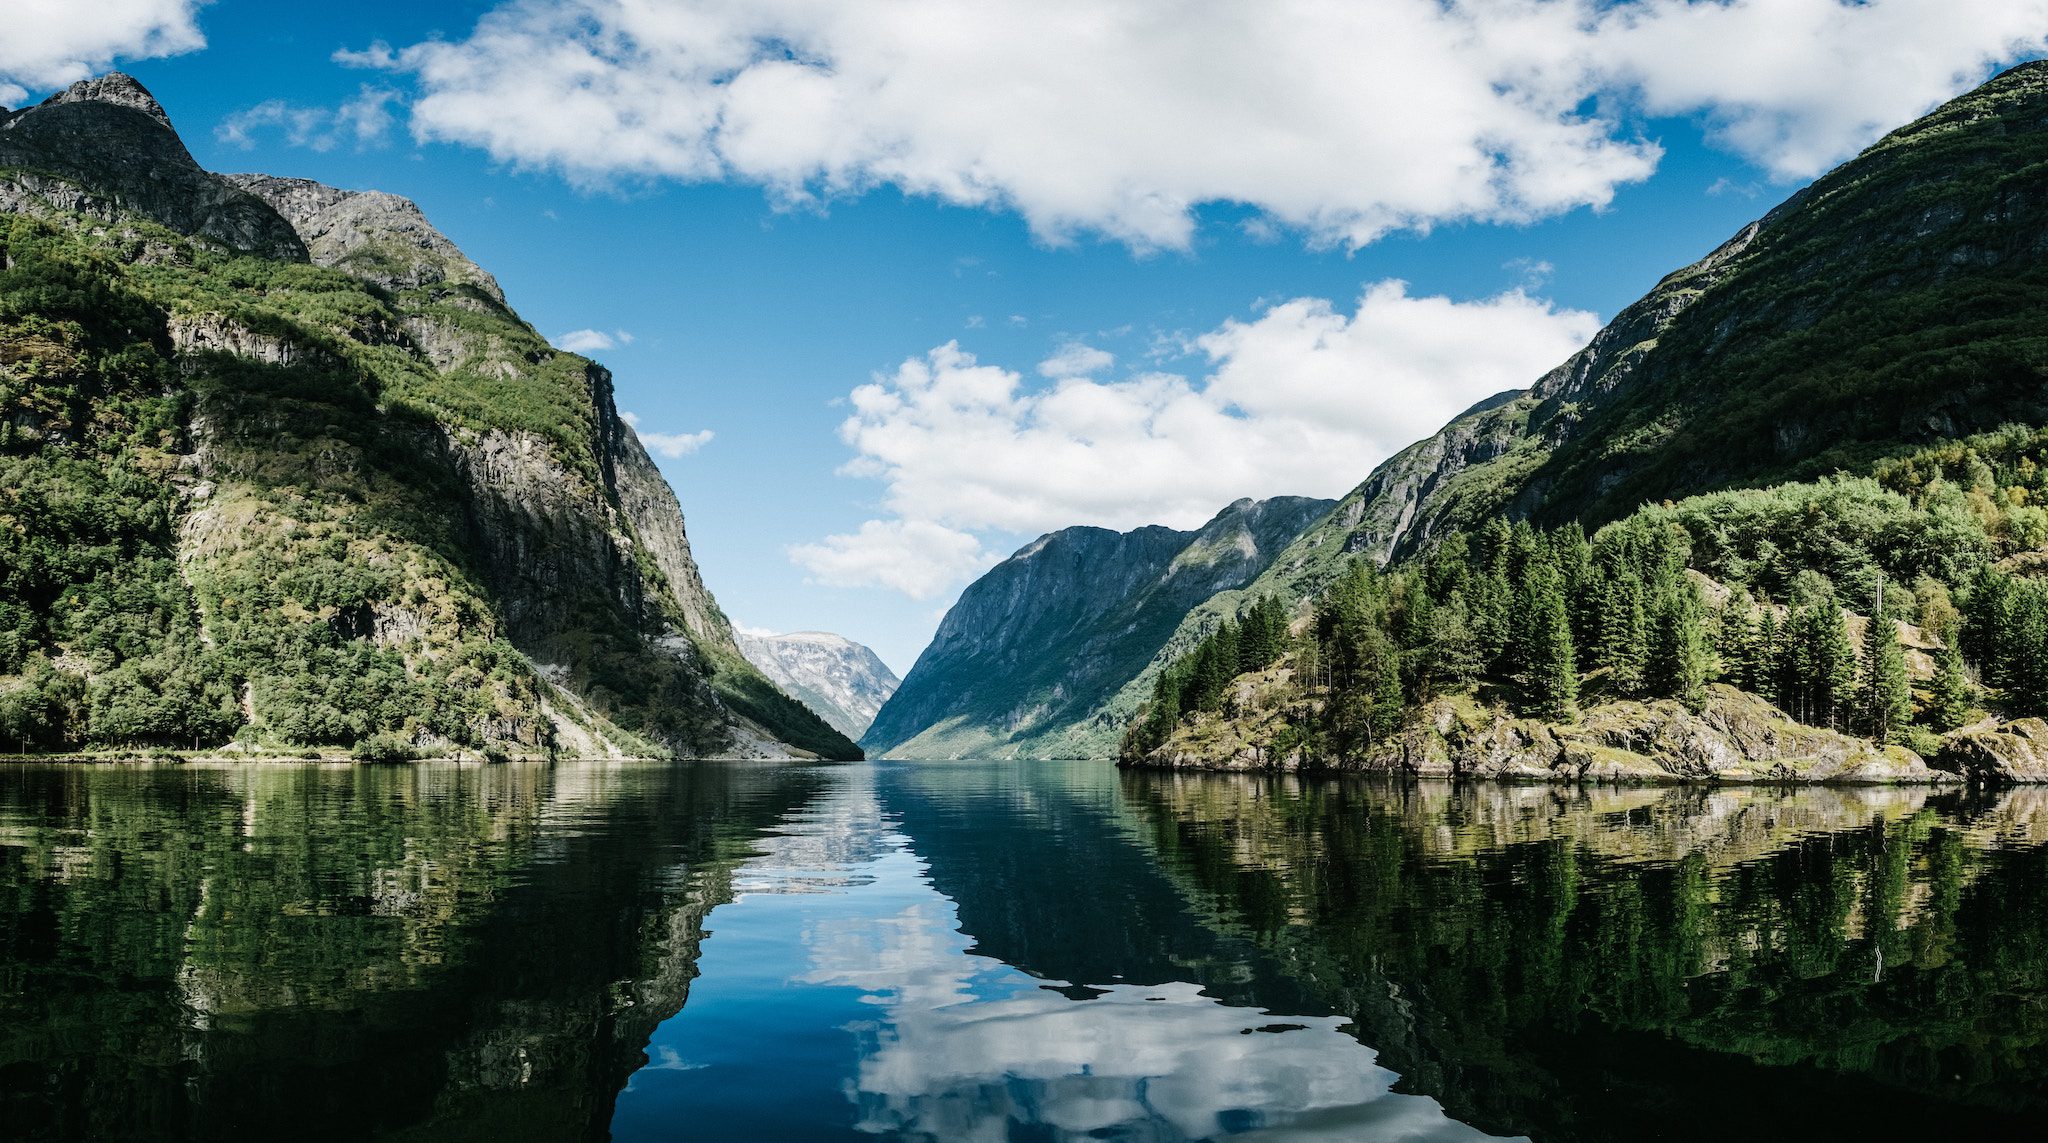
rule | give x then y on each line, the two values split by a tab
1006	952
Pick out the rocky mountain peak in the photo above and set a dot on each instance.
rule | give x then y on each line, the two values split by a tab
379	237
104	147
118	89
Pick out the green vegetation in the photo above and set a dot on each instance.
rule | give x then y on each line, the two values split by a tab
1800	593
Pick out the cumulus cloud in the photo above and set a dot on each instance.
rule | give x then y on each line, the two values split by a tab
674	446
1304	399
1120	117
1798	85
916	557
51	43
1075	359
364	121
592	340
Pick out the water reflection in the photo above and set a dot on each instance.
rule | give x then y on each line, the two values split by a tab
332	952
1002	950
1618	964
948	1044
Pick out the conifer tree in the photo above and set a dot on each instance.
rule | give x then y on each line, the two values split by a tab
1952	697
1681	662
1455	651
1623	645
1550	675
1765	664
1818	675
1387	699
1739	649
1884	699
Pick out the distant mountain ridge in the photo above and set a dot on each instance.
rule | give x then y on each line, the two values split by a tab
843	681
283	471
1023	664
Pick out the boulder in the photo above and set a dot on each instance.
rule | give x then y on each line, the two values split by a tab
2016	752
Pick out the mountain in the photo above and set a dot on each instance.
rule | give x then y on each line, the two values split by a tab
843	681
1894	303
280	470
1023	664
1844	406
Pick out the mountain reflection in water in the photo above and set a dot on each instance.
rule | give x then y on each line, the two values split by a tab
1006	950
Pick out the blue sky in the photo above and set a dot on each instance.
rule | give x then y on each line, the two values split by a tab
762	290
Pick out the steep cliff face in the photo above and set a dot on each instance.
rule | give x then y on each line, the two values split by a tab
1023	665
845	682
398	519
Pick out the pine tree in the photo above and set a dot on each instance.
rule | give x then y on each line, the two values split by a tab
1884	699
1455	650
1387	699
1551	677
1681	661
1492	619
1739	650
1953	698
1818	669
1624	633
1766	663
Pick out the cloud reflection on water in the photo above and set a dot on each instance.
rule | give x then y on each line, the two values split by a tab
964	1047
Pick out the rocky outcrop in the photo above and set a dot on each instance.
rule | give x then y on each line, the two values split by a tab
1026	663
375	236
845	682
2016	752
1735	737
110	139
651	507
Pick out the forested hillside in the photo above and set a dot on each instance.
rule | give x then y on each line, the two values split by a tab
1893	305
1897	607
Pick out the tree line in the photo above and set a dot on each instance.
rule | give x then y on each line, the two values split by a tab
1657	606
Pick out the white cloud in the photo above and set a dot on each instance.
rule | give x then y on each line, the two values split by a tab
1121	116
364	121
1799	85
916	557
1075	359
1304	399
674	446
585	341
51	43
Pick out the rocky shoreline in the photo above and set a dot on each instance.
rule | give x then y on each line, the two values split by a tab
1735	738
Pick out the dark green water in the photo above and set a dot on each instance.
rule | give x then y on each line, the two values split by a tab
1007	952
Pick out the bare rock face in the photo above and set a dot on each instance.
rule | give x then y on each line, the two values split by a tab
111	139
1736	738
378	237
2013	753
